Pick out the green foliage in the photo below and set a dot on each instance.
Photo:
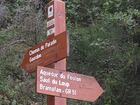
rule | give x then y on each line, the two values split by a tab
106	49
104	43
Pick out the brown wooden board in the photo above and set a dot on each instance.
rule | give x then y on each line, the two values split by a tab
66	84
48	52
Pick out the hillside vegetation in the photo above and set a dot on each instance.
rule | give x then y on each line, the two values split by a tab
104	43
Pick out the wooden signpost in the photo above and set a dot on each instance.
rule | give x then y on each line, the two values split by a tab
66	84
48	59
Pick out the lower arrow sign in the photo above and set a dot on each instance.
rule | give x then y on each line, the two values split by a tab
66	84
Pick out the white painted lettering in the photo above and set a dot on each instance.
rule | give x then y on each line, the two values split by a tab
32	59
45	73
44	80
73	78
49	44
52	89
31	52
54	82
50	23
50	31
66	84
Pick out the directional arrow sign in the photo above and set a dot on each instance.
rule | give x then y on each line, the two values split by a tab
47	52
68	85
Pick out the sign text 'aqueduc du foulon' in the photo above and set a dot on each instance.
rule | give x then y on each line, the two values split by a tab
67	84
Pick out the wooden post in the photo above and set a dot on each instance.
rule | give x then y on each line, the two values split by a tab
57	14
52	100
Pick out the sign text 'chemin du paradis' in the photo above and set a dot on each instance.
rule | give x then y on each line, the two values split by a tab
49	51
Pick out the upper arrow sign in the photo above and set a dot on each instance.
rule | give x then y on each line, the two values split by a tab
51	50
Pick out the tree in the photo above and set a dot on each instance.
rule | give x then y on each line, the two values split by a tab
104	43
